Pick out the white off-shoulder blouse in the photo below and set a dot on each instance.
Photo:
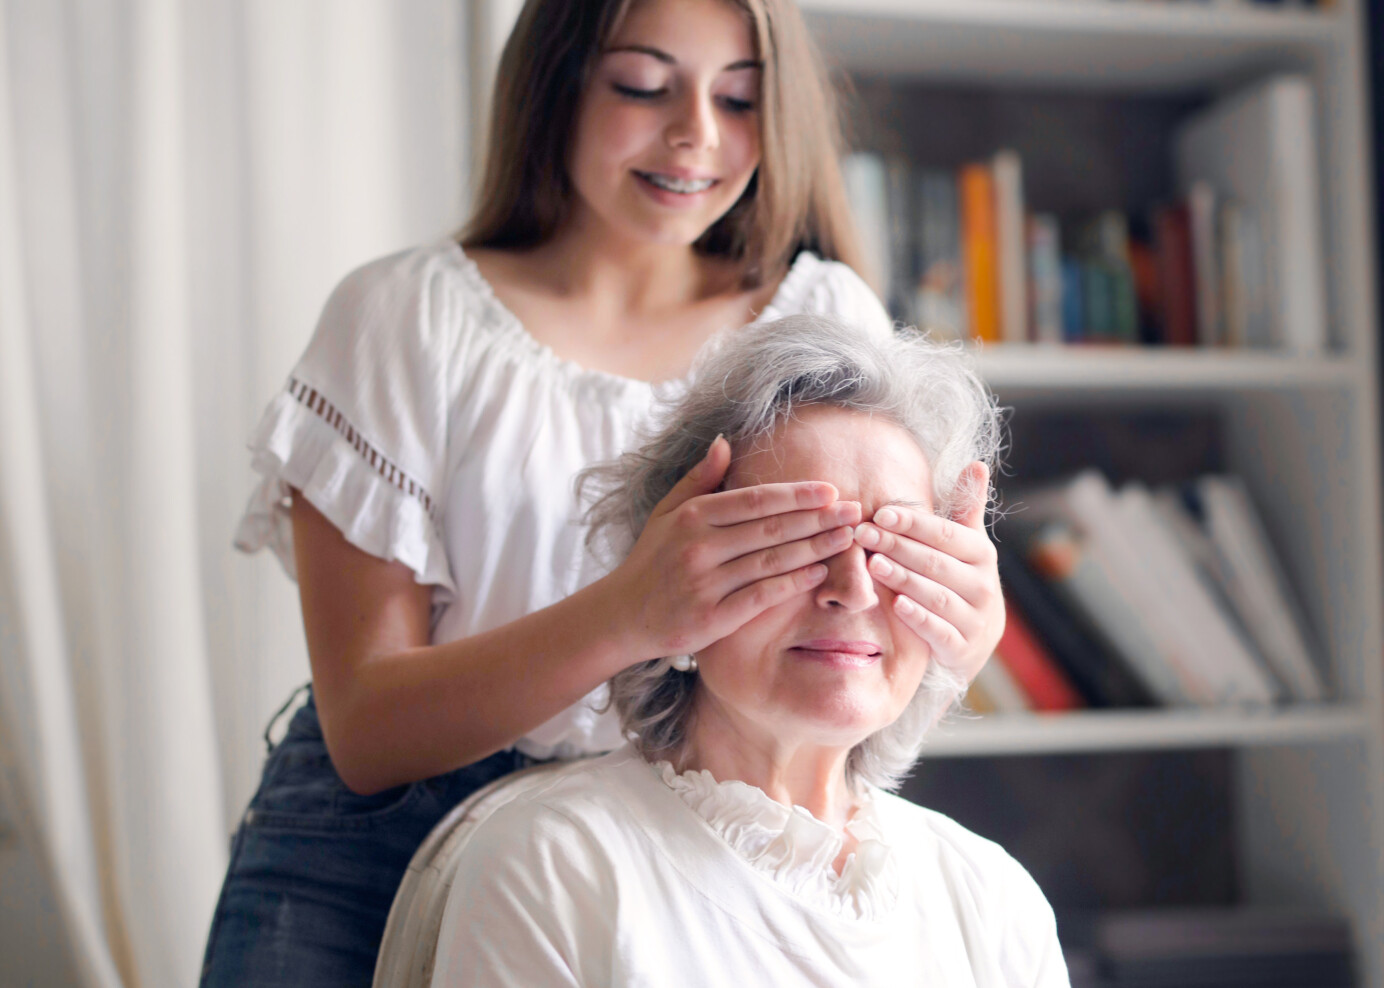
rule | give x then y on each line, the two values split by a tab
428	426
619	873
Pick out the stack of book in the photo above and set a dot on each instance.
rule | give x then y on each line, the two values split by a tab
1135	597
1232	259
1210	948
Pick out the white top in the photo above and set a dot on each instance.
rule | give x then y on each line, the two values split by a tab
428	426
620	873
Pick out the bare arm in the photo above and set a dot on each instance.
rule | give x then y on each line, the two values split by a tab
396	709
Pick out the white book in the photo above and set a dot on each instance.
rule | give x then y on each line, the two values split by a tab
1201	208
1012	247
1083	576
1258	147
1234	276
998	683
1257	585
1206	633
867	191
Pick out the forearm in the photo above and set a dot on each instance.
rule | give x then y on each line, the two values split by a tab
414	713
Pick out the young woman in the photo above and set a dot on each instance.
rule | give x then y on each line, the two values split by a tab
659	170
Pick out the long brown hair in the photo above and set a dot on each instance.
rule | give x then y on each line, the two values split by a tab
795	201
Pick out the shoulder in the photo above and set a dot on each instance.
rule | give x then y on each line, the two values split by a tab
984	865
815	286
428	283
582	807
1016	914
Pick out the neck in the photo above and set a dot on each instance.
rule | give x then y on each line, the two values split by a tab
626	276
791	772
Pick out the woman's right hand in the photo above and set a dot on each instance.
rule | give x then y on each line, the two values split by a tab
710	561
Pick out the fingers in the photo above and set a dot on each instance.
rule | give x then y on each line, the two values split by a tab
749	602
786	557
762	500
734	541
965	543
704	478
945	641
955	617
975	485
924	562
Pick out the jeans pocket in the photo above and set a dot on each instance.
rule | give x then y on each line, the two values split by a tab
301	790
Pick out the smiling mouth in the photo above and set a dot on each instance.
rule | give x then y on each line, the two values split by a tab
680	186
843	654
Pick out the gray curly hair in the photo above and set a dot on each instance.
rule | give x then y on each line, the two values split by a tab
747	383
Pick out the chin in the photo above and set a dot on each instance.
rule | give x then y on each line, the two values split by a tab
841	718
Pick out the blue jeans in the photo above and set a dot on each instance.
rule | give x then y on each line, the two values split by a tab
314	867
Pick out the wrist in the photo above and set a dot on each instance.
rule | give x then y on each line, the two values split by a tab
609	603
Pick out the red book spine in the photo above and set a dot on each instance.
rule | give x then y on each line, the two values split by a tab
1036	672
1177	275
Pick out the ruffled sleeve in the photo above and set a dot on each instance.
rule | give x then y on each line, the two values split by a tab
360	427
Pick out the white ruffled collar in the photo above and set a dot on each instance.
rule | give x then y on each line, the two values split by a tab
793	847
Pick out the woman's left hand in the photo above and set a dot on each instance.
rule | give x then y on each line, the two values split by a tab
944	574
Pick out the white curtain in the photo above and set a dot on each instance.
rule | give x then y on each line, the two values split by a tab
181	183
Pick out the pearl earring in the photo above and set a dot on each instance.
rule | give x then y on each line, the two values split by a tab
684	663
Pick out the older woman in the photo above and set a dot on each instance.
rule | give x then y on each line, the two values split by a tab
745	834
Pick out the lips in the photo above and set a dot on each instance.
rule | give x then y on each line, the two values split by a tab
683	185
842	654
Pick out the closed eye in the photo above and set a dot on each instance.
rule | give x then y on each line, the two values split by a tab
639	94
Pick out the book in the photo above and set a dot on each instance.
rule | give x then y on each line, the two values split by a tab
1092	662
1045	278
980	251
1111	245
1201	211
867	191
1234	274
1007	170
1091	507
1000	689
1203	630
940	306
1176	275
1036	672
1073	301
1084	577
1257	584
1258	147
899	297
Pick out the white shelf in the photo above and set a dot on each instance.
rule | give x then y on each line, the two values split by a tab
1135	47
1100	731
1019	366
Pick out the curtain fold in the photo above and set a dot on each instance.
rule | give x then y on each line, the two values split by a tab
181	184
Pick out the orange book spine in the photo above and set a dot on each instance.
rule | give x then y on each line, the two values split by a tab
980	249
1036	672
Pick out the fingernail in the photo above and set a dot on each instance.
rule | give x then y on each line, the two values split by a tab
905	605
712	444
842	536
881	567
886	517
816	573
867	535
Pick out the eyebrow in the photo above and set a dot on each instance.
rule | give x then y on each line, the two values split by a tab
667	59
903	502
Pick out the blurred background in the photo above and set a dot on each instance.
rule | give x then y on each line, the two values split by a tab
1156	221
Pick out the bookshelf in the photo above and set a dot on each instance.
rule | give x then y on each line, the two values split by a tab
941	81
1090	92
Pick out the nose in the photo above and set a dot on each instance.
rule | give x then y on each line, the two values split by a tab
848	585
693	126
